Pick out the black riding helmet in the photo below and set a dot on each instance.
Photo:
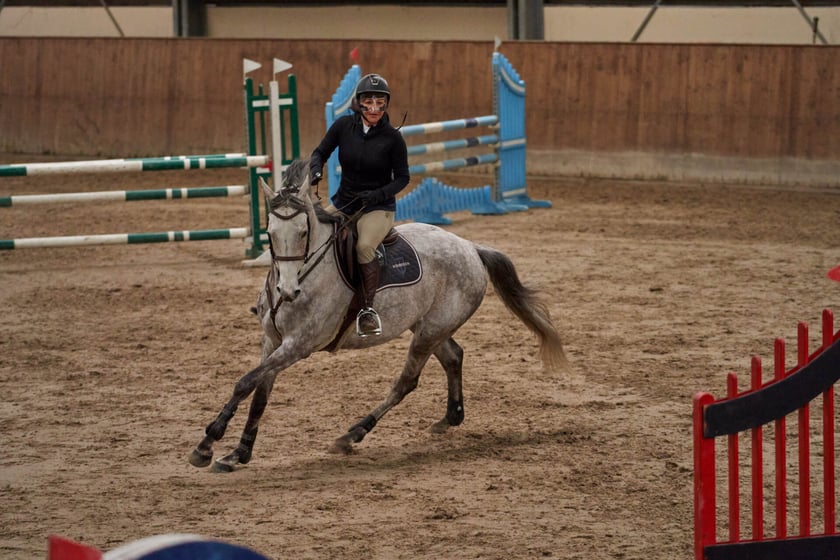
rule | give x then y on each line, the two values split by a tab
371	83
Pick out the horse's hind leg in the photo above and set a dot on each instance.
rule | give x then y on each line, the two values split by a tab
451	357
242	454
418	354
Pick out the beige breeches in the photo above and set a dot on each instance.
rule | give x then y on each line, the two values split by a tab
372	228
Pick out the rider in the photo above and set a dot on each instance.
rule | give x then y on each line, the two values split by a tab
374	168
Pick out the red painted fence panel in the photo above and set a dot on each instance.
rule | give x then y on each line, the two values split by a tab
789	391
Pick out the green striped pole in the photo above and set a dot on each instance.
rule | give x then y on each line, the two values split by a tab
125	196
127	165
124	238
197	156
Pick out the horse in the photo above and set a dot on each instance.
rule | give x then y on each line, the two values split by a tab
304	302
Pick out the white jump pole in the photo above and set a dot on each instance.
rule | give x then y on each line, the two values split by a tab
274	111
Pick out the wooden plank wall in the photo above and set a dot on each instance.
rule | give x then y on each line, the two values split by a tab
142	97
729	100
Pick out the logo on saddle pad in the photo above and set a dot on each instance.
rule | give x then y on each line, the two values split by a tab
399	263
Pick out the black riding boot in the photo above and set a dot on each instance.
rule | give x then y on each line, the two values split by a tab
367	321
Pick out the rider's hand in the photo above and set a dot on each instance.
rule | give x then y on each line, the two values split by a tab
315	179
369	198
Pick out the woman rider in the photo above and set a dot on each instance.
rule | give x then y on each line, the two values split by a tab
374	168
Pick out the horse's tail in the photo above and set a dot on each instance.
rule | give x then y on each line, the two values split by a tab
523	302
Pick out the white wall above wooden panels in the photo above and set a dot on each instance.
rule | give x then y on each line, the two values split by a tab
669	24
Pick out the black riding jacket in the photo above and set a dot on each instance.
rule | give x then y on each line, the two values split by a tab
376	160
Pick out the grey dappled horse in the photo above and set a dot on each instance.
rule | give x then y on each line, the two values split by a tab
303	304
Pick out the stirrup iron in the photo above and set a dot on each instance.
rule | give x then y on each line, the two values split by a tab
369	313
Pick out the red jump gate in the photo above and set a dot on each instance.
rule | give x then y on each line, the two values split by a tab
766	406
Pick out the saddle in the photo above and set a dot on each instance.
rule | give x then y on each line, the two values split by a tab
399	266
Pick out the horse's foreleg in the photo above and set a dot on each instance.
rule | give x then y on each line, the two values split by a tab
203	453
451	357
242	454
406	383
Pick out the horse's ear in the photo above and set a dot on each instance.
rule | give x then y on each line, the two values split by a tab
266	189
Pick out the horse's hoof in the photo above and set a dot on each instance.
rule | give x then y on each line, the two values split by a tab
341	446
440	427
199	459
222	466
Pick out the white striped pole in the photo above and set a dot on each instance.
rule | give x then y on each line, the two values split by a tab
457	124
274	114
124	238
276	141
446	145
232	155
125	165
423	168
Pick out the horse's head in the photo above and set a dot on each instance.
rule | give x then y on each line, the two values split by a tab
289	228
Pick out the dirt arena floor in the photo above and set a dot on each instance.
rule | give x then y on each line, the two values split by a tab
113	359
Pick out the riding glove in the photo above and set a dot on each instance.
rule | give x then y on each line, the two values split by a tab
370	198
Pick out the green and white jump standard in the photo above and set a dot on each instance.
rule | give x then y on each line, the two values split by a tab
285	145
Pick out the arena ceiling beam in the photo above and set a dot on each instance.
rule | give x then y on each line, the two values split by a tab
813	23
525	17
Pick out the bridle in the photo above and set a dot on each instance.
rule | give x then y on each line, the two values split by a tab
288	198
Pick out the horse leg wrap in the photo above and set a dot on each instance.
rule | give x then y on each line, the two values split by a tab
455	411
367	424
216	428
246	445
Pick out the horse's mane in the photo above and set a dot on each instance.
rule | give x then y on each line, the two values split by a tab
293	179
296	173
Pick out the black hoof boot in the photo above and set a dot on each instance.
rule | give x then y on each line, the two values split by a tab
455	411
454	417
216	429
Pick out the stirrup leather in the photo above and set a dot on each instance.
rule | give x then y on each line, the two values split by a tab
368	313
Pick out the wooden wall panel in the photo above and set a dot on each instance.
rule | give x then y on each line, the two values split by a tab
132	97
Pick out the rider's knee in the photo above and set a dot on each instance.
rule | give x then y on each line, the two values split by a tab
365	254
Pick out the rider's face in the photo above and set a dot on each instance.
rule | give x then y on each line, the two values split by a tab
373	107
